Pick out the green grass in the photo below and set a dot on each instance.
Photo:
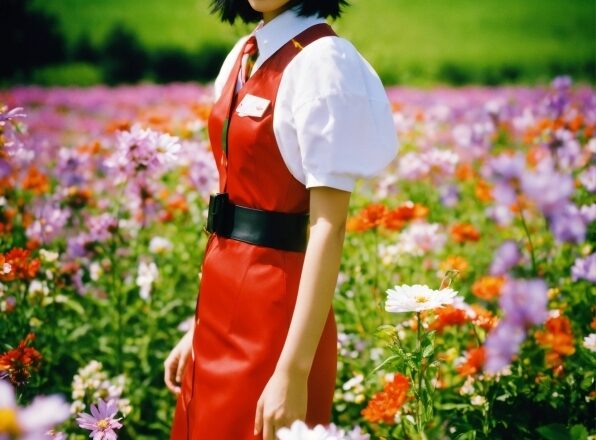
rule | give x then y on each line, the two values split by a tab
411	41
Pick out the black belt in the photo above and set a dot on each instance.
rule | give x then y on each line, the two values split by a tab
279	230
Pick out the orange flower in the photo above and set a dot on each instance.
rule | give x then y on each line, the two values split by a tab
464	232
201	110
454	262
464	171
473	363
36	181
397	217
118	124
557	338
446	316
375	215
17	364
483	191
385	404
369	218
484	318
488	287
16	264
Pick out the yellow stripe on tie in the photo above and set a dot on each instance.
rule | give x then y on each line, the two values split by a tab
297	45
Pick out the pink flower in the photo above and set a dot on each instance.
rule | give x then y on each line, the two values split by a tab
101	421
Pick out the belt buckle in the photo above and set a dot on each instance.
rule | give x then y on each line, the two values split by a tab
216	210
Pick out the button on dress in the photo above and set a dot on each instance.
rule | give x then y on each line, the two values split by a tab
248	292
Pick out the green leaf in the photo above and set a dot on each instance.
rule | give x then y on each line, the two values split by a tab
390	358
555	431
428	351
75	306
579	432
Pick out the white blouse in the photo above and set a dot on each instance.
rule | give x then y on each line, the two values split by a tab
332	119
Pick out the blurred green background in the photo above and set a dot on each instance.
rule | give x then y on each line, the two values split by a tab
420	42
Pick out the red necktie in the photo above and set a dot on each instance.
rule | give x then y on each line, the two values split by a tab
249	55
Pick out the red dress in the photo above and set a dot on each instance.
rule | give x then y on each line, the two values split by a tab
248	292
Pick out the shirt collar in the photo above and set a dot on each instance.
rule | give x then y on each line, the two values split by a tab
273	35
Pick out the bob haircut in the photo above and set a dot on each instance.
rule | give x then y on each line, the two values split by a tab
229	10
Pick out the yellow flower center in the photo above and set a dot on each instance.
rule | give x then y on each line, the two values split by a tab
103	424
421	299
8	422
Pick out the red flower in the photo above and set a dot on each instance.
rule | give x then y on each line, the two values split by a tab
446	316
557	338
386	403
16	264
474	362
17	364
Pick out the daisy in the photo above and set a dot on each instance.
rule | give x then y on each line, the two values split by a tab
418	297
101	421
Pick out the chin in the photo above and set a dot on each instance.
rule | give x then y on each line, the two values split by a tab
267	5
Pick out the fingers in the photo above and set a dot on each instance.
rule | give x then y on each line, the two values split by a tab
268	428
170	367
180	369
259	417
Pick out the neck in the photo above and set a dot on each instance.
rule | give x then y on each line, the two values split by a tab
268	16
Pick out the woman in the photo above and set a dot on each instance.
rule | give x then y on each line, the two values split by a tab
299	116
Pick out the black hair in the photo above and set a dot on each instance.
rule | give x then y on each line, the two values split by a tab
229	10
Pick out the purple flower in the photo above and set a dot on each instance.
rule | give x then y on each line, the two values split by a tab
49	222
562	82
588	213
505	258
588	179
101	421
102	227
548	189
584	268
16	112
202	172
502	343
143	150
449	195
524	302
33	421
568	225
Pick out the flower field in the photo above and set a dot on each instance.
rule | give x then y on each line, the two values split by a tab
465	302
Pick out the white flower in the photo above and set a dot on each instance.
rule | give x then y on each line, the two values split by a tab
160	245
590	342
300	431
95	271
418	297
48	256
477	400
146	275
31	422
38	287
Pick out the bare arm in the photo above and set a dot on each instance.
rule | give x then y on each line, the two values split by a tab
284	398
328	212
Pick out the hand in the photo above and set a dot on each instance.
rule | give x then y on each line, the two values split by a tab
176	360
282	401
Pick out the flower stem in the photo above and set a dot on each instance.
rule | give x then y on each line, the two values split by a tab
532	255
419	374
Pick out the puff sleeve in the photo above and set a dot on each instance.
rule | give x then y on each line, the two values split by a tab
333	120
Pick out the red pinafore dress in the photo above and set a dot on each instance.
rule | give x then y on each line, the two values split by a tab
248	292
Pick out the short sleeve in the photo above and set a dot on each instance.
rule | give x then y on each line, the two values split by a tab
335	121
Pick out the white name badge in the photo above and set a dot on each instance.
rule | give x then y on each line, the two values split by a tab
252	105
